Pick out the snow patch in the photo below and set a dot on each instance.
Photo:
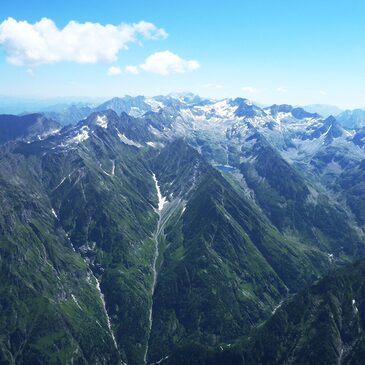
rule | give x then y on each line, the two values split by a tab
218	111
68	239
126	140
82	136
105	311
75	300
135	112
277	307
54	213
160	361
60	183
51	132
161	199
154	104
102	121
113	167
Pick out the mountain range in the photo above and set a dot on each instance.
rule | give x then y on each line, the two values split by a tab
181	230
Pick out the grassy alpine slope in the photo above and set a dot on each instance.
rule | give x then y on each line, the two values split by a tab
323	324
79	214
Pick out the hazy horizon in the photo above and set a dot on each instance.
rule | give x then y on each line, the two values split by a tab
48	102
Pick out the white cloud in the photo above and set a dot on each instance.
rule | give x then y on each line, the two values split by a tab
134	70
250	90
282	90
43	42
322	92
166	62
114	71
149	30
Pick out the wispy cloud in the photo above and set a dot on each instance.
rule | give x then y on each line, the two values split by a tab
43	42
322	92
165	63
114	71
250	90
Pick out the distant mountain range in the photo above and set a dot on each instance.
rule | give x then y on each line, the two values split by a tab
352	118
24	105
26	127
139	105
181	230
323	109
71	110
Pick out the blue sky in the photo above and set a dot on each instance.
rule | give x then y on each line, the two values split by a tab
271	51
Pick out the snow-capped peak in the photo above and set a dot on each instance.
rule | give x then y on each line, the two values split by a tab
154	104
222	109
